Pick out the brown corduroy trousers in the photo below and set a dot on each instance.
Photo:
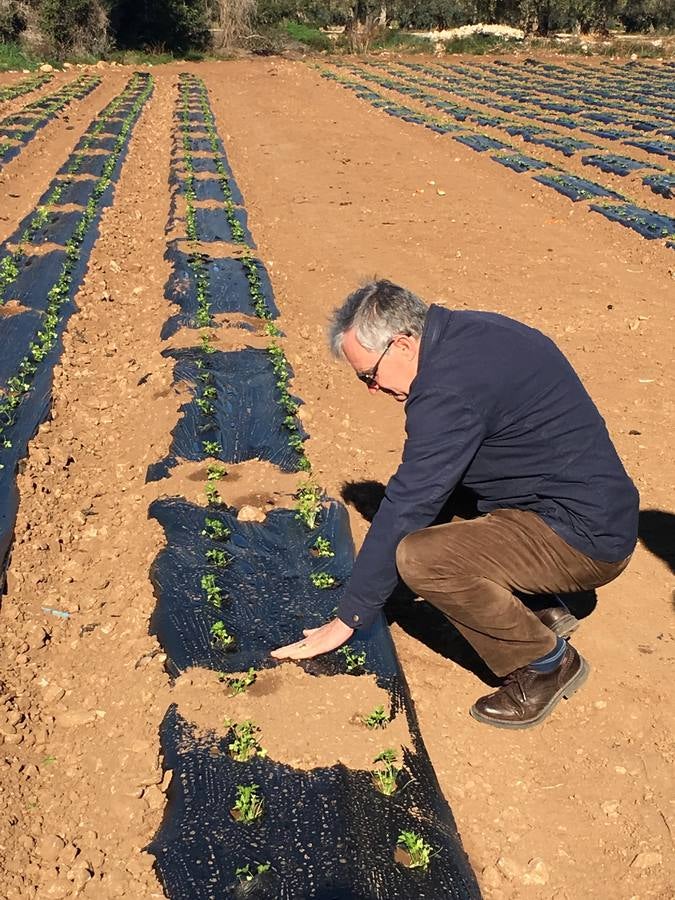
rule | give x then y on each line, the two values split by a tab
469	569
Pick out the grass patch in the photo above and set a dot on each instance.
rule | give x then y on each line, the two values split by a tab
393	39
153	58
12	56
479	44
310	37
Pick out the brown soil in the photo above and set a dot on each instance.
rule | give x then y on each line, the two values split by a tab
578	808
304	721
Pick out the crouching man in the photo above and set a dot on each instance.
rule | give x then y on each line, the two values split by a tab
493	405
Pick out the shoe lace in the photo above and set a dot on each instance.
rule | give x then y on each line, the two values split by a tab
516	680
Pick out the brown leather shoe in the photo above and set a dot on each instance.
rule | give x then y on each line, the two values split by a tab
528	696
559	619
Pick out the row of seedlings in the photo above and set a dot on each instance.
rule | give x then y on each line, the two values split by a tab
568	93
655	179
19	129
229	590
41	267
652	175
27	86
649	224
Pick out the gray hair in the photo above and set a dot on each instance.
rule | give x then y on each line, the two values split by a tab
377	311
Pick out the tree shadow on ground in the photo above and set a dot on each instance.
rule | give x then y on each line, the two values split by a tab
656	530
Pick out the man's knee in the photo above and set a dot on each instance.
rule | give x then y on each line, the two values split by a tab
410	558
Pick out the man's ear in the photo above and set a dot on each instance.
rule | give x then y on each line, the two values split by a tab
407	343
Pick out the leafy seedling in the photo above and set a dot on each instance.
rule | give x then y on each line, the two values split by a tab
308	504
386	777
214	472
354	660
245	873
377	718
221	637
245	745
249	805
218	558
322	547
417	852
322	580
214	529
239	685
212	448
214	593
212	495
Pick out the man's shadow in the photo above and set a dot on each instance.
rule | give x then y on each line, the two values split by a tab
423	621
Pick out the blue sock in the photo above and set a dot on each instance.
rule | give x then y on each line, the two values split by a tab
552	660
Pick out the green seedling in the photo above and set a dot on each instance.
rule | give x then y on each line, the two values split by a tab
353	659
322	580
221	637
214	594
377	718
211	448
249	805
418	850
239	685
214	529
215	472
244	873
386	777
212	494
205	406
322	547
244	745
308	504
206	345
218	558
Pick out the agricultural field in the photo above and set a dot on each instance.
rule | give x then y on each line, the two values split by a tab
185	476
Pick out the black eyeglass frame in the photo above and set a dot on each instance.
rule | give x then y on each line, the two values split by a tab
369	377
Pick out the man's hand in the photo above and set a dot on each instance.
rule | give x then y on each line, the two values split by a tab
316	641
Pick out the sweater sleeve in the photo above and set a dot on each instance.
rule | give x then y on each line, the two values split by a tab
443	434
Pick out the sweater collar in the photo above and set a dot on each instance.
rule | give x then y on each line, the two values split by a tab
433	326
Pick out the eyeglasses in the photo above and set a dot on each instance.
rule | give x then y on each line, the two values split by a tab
369	377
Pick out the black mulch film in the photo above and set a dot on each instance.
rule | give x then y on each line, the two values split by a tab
663	184
229	290
327	833
247	421
37	274
649	224
615	165
574	187
520	163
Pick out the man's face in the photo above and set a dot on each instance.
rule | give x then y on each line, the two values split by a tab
392	371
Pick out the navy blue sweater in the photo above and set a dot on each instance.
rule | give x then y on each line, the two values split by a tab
496	407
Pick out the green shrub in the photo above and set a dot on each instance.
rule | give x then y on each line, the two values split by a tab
12	21
173	26
75	25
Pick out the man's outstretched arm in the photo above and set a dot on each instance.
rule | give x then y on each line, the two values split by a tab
444	434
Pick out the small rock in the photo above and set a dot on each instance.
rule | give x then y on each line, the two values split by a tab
71	718
600	704
251	514
45	67
537	872
49	847
647	859
491	877
509	868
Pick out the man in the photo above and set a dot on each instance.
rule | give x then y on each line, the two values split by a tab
493	405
